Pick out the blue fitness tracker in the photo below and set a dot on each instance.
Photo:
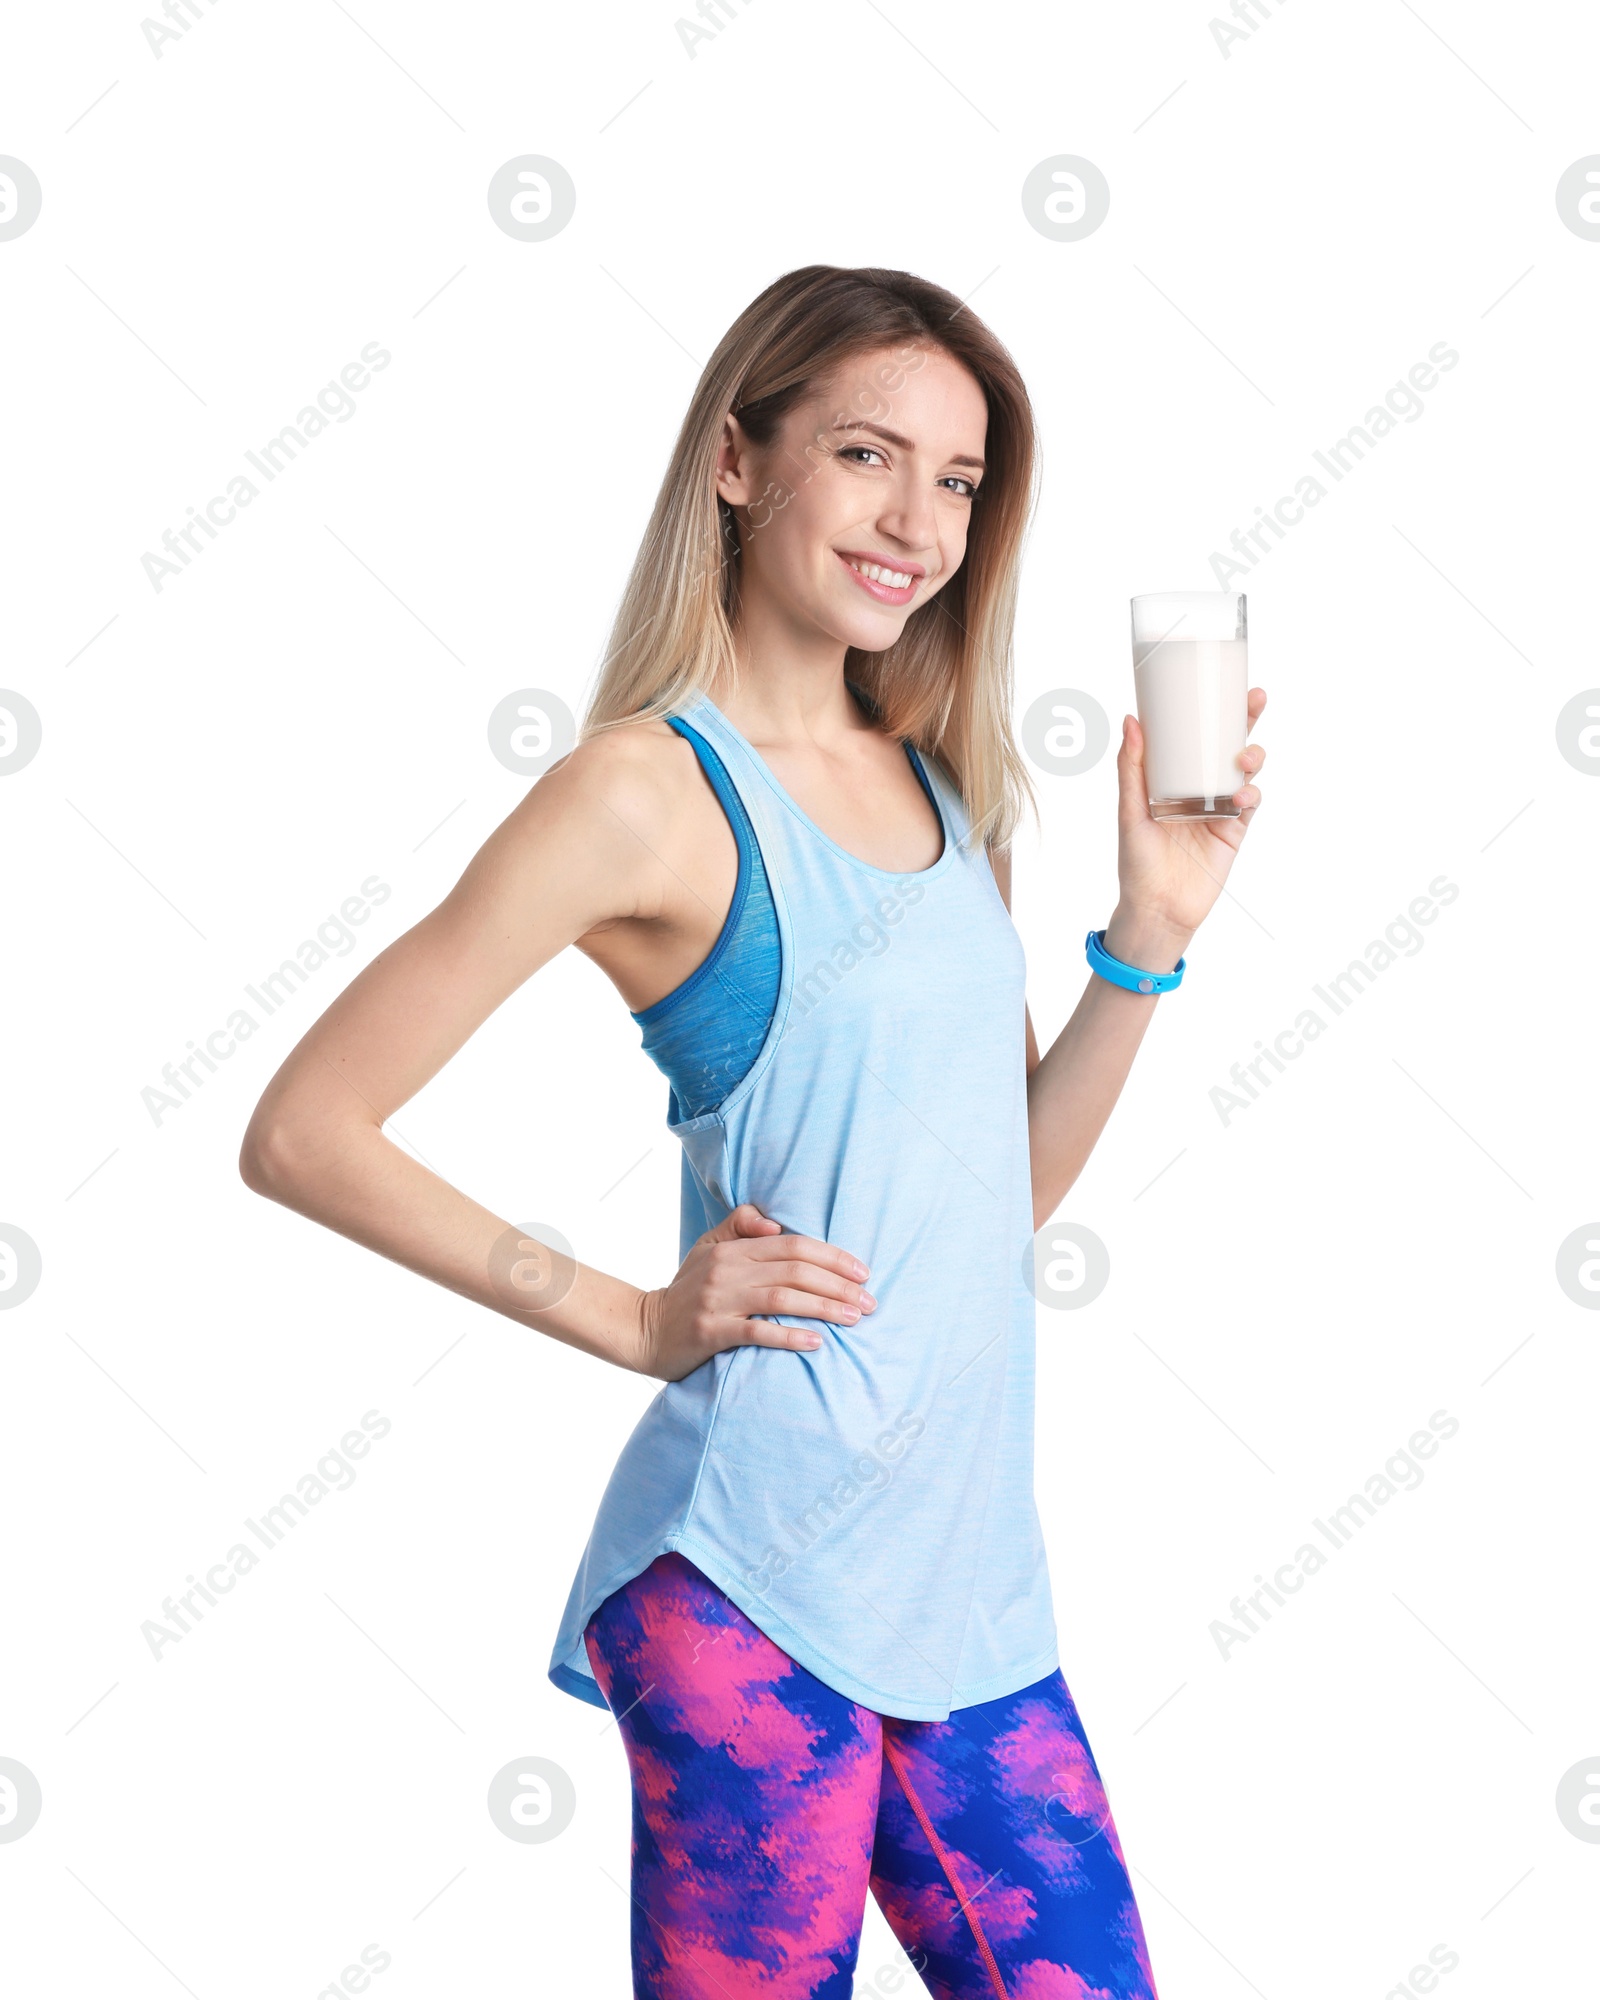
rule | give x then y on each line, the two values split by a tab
1128	976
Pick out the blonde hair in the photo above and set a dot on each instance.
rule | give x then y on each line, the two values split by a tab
947	681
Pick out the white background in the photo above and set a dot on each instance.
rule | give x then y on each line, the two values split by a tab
1292	226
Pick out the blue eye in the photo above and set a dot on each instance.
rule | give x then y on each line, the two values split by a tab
871	451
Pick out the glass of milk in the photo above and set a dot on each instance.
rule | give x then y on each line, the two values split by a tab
1191	682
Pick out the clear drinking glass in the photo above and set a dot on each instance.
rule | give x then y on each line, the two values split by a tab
1191	682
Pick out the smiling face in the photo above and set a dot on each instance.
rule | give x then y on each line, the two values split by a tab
859	509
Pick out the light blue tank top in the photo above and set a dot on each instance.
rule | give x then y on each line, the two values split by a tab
706	1033
869	1505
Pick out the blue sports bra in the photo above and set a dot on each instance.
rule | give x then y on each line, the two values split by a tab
706	1033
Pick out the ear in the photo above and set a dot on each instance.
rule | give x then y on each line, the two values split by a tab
735	472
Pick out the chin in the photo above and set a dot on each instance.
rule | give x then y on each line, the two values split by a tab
869	634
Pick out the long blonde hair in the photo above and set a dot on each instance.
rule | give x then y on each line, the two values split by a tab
946	682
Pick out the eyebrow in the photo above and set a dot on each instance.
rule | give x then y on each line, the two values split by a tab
894	437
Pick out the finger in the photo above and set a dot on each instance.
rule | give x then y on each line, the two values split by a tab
1254	702
745	1220
771	1333
811	1251
801	1299
1133	798
766	1301
828	1283
1251	758
774	1288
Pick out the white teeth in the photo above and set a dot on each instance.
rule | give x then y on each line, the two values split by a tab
896	579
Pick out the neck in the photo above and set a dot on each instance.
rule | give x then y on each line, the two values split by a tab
791	683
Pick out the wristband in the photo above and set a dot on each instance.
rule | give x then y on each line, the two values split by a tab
1128	976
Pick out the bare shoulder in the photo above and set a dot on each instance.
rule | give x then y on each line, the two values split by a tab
631	762
641	774
603	827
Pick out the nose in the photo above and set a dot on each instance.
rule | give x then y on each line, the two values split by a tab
907	516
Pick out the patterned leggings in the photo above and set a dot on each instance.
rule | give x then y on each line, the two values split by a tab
765	1804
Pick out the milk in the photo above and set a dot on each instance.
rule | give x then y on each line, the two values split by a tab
1192	702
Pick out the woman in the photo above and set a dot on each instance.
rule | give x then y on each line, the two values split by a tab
815	1596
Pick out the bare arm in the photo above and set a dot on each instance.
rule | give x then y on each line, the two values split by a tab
1169	878
604	845
1073	1088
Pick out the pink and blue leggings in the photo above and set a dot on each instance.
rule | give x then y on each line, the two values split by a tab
765	1805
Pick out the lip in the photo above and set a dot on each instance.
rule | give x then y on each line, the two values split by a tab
881	591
